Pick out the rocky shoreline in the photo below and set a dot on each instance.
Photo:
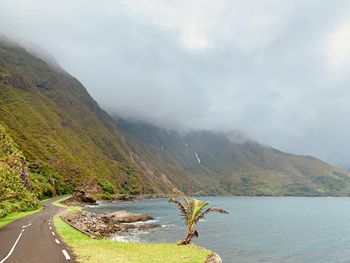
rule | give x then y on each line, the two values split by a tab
81	197
107	224
120	223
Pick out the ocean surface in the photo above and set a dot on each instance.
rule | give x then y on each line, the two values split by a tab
258	229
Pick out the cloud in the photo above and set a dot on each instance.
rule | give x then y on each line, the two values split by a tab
193	39
338	46
276	70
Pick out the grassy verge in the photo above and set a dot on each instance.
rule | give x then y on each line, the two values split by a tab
69	209
14	216
88	250
59	201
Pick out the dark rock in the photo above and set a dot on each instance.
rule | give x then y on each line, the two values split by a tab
126	227
42	85
148	226
80	197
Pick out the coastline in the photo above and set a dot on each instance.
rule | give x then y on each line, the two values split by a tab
90	249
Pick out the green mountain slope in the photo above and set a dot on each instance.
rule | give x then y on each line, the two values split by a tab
66	137
15	194
67	140
232	164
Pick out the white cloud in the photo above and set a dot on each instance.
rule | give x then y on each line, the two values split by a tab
268	67
247	26
338	47
193	39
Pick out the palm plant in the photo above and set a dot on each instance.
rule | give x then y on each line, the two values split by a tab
192	210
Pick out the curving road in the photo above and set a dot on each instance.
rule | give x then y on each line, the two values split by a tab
33	239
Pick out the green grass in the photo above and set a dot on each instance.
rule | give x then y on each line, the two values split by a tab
69	209
45	199
14	216
59	201
88	250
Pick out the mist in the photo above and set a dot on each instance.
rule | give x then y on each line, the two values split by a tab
277	71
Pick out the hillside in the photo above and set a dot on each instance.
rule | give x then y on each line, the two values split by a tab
67	141
66	137
233	164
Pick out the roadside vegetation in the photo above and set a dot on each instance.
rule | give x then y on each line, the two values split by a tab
15	194
14	216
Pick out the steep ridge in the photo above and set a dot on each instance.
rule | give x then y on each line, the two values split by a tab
69	141
233	164
66	137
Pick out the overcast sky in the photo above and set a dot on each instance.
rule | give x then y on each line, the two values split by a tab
276	70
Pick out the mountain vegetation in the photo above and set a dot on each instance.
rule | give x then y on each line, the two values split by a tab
231	163
55	137
66	137
15	194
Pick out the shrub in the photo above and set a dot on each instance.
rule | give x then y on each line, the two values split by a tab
107	187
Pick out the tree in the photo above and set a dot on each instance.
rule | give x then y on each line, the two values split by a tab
192	210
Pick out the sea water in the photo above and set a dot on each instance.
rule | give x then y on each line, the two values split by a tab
258	229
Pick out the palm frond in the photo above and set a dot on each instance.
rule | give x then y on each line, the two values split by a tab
181	207
181	194
210	209
196	207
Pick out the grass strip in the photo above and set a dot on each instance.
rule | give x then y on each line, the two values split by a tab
88	250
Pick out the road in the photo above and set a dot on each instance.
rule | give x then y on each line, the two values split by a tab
33	239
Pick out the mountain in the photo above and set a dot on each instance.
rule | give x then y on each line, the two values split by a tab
66	137
230	163
67	140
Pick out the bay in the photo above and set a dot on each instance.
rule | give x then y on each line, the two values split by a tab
258	229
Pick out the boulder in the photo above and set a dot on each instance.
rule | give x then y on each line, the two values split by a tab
126	227
148	226
81	196
127	217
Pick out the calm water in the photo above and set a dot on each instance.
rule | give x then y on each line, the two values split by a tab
258	229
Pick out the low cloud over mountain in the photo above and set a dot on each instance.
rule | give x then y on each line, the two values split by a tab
276	71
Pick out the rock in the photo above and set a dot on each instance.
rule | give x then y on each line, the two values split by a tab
124	198
148	226
43	85
52	181
126	227
81	196
25	177
126	217
109	223
213	258
93	186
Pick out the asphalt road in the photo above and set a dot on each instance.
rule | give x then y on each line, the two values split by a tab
33	239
